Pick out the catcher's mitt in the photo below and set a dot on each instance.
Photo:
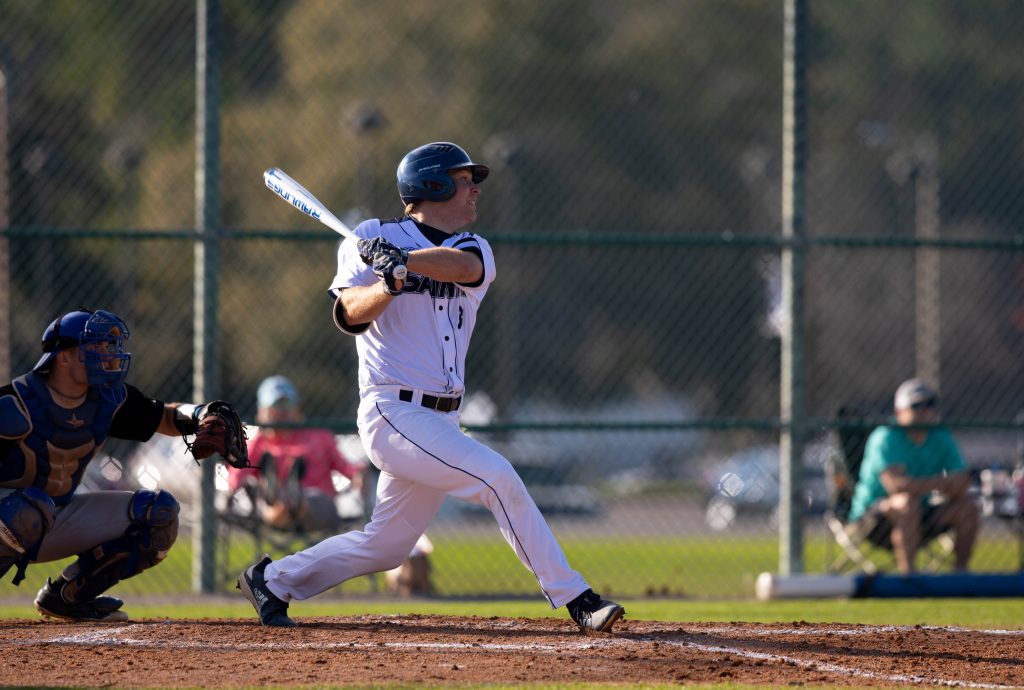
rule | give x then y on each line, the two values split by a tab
220	432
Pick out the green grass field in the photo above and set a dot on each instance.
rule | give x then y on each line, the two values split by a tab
696	567
973	613
672	579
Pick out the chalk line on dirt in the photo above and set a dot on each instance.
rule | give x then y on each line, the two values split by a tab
860	630
122	635
828	667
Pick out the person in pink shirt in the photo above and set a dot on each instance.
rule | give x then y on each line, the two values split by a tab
293	466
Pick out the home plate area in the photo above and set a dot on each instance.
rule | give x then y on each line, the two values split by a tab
441	649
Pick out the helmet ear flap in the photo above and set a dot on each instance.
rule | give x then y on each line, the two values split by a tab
423	174
440	188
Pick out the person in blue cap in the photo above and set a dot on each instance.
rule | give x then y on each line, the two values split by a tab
295	466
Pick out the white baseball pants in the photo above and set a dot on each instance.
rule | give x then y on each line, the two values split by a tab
423	456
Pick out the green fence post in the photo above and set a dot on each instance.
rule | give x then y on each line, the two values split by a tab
791	394
205	381
5	241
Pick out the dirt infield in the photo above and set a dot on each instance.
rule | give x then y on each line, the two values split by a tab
442	650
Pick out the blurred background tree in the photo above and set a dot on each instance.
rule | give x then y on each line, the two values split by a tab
653	119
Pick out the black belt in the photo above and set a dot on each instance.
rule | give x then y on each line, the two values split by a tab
429	401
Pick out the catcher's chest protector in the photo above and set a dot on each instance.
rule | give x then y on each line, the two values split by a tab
54	455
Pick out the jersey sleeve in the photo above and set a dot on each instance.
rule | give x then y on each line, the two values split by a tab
352	272
138	417
480	247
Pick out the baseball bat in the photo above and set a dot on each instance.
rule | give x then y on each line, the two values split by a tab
282	184
279	182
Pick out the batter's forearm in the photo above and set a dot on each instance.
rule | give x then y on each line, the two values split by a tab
363	304
446	265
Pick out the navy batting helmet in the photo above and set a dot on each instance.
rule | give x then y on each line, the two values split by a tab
100	335
423	173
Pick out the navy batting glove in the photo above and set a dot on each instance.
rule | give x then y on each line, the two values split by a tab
366	250
369	248
391	269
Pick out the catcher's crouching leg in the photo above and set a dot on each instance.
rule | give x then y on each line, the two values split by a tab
75	595
26	516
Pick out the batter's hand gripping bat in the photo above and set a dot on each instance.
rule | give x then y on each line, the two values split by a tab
280	183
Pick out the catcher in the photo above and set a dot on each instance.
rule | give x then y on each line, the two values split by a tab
53	421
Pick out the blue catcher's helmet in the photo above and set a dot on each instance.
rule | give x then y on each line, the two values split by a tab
423	173
100	335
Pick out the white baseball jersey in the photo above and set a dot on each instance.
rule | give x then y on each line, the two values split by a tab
411	355
421	339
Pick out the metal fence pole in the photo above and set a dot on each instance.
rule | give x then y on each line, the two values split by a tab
5	222
791	395
205	381
926	266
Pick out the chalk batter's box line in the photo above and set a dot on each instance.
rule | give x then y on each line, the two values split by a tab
113	636
860	630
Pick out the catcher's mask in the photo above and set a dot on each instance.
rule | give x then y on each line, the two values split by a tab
423	175
99	336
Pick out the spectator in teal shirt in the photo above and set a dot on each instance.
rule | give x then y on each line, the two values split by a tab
904	464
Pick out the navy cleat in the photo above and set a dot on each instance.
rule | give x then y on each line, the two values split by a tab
271	610
51	603
591	612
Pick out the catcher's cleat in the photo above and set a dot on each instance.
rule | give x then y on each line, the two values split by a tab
271	610
591	612
51	604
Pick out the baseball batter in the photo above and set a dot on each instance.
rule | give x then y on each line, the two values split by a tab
409	292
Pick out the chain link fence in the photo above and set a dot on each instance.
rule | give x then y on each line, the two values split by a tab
627	357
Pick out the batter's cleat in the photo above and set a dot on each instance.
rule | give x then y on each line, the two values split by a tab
591	612
271	610
51	603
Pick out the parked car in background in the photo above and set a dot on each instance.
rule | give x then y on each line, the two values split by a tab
557	483
618	449
746	484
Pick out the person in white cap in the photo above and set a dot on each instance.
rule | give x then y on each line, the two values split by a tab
905	464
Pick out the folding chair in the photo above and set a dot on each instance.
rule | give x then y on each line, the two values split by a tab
241	512
857	551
